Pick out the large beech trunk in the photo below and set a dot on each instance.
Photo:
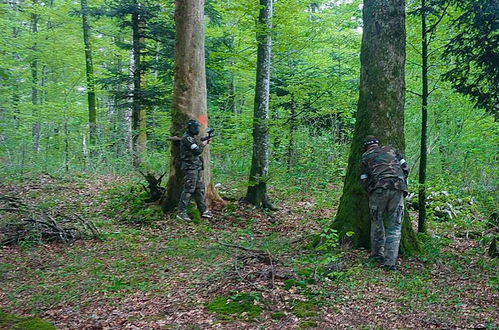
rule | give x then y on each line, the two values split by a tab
257	190
189	96
380	112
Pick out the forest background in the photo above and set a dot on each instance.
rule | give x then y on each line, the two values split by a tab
314	93
49	124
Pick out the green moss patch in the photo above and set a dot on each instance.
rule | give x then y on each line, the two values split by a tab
304	309
10	321
242	305
277	315
307	324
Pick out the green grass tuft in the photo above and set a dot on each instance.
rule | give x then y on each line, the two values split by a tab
10	321
278	315
241	305
304	309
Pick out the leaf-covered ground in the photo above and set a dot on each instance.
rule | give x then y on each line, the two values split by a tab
243	269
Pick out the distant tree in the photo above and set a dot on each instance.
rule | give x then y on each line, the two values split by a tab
431	13
473	52
257	189
139	135
380	111
37	126
189	96
92	101
150	56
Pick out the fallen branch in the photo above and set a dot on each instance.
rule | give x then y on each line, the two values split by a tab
39	227
272	269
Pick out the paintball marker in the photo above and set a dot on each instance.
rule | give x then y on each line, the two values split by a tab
211	133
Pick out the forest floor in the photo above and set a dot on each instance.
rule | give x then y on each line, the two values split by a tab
244	269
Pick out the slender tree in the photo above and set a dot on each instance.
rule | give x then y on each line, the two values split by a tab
189	95
36	129
92	102
380	111
431	14
257	189
424	121
427	32
138	110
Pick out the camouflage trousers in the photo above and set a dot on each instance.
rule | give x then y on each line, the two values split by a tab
193	186
391	203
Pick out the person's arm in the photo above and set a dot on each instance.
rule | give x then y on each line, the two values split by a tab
195	148
364	174
403	164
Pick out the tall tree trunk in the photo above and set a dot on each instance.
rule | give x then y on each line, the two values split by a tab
36	128
380	112
424	121
138	111
128	114
16	98
189	95
92	101
257	189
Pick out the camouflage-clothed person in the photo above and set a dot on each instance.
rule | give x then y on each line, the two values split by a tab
192	168
384	175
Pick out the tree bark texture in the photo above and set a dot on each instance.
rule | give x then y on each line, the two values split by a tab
189	96
424	121
92	102
380	112
257	189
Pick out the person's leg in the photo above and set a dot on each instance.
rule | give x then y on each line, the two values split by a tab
394	230
190	181
199	193
377	205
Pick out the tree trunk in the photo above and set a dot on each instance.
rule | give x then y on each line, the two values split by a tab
130	104
16	98
424	121
92	102
189	96
138	111
380	112
36	128
257	189
291	161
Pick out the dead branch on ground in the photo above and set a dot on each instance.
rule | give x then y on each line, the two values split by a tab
40	227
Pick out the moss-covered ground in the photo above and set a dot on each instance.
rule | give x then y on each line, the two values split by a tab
151	271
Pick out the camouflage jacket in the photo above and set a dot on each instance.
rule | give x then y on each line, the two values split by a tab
190	153
384	167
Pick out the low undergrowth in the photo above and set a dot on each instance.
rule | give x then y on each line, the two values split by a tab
244	268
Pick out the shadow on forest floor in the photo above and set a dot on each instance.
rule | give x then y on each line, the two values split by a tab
243	269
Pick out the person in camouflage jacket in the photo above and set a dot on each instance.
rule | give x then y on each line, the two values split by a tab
192	168
384	175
